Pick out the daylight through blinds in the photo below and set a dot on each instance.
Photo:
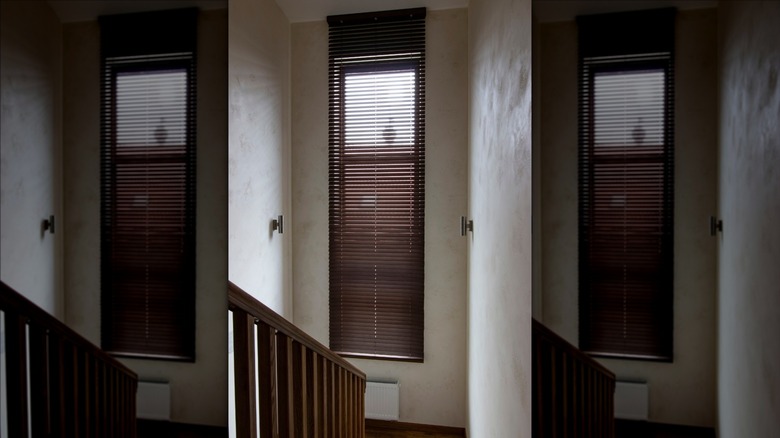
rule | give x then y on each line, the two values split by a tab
376	184
148	195
626	192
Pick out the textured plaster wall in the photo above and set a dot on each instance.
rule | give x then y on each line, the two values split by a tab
30	151
259	138
749	279
259	159
537	230
683	392
198	390
433	392
499	298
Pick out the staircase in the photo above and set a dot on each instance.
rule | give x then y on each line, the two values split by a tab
298	386
573	395
72	387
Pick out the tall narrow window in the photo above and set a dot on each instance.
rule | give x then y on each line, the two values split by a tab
377	184
626	184
148	185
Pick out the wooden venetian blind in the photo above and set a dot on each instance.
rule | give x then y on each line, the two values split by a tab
148	119
377	184
626	184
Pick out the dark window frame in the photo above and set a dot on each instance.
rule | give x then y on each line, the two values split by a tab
357	59
171	278
597	57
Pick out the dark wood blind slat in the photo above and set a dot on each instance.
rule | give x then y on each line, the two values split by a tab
148	129
626	187
376	183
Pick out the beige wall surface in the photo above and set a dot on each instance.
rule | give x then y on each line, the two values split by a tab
682	392
31	151
537	229
259	163
433	392
749	278
499	298
198	390
258	159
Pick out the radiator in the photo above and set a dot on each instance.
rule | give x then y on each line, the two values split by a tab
382	400
631	400
153	401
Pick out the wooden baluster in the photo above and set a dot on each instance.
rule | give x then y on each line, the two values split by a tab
69	392
536	372
343	401
355	406
352	405
117	403
109	409
124	385
121	406
125	406
95	408
131	395
362	404
337	411
311	393
39	390
16	372
356	394
298	396
100	399
83	394
93	395
348	402
56	386
244	372
284	380
266	381
327	384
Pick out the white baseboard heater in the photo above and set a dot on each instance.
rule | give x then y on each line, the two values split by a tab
382	400
631	400
153	401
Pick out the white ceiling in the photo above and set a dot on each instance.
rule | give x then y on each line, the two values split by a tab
312	10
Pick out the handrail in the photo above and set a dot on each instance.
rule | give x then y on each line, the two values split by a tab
241	299
75	388
299	386
573	395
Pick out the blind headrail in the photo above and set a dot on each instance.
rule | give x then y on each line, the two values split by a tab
240	299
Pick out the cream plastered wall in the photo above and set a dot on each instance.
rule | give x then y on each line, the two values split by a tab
259	159
31	151
500	167
536	101
433	392
199	389
749	279
682	392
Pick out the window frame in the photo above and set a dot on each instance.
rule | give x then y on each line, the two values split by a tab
663	299
185	314
343	64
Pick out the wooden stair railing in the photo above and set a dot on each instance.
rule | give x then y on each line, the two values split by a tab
573	395
298	386
75	388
